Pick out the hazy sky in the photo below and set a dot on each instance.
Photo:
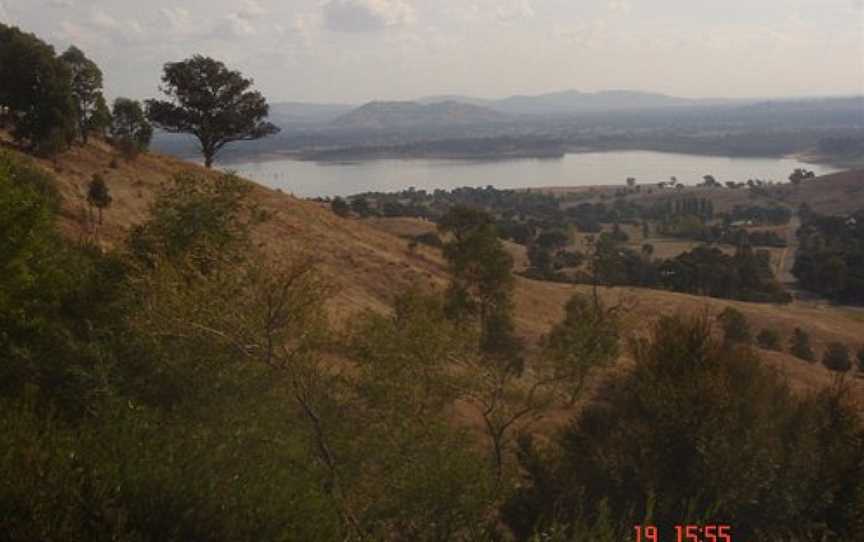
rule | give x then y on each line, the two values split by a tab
357	50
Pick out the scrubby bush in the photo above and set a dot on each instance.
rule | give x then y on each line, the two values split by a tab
769	339
836	358
340	207
736	328
799	345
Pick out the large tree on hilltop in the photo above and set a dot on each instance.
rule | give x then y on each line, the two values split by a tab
86	87
212	103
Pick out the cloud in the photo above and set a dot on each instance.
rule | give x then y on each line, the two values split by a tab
4	15
622	7
250	9
100	19
61	3
366	15
240	24
178	18
513	11
236	25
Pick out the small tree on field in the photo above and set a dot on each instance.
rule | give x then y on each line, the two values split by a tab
98	194
800	175
736	329
129	128
769	339
836	358
799	345
211	102
340	207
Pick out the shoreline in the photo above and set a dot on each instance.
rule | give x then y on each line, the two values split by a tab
349	156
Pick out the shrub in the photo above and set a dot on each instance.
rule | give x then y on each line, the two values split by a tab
429	239
836	358
769	339
799	345
736	328
340	207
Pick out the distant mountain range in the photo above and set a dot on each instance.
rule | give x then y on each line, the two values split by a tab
402	115
459	109
573	101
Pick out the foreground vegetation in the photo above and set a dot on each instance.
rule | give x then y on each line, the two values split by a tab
186	386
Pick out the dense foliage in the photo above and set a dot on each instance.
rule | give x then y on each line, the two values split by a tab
36	93
830	258
211	102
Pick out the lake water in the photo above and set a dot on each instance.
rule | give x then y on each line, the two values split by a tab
310	179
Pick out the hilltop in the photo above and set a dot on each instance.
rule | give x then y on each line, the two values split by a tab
369	262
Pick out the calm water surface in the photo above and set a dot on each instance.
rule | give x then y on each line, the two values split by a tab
310	179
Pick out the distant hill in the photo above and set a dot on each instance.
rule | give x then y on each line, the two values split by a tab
402	115
286	113
574	101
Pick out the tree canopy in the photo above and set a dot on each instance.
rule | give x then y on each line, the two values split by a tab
86	87
36	91
211	102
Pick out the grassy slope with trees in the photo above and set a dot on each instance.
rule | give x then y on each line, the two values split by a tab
172	372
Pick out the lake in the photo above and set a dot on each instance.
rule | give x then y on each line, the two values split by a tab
310	179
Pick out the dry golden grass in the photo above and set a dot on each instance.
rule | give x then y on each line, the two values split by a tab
369	263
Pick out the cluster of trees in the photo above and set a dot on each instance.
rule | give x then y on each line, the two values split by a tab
745	275
693	228
758	215
830	258
51	100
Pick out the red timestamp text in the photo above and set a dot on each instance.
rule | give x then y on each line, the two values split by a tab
685	533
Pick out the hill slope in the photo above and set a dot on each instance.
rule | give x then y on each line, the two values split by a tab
369	263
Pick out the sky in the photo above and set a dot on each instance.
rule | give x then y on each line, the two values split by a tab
353	51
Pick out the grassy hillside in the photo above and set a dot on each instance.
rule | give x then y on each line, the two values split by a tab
369	262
